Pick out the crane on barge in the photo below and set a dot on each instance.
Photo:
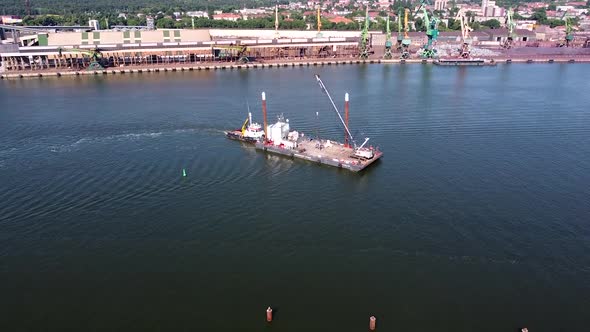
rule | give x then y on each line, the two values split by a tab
359	151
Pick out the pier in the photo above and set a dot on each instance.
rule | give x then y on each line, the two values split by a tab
254	65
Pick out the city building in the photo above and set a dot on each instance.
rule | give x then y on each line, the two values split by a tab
441	4
94	24
150	23
525	24
227	17
198	14
10	19
340	19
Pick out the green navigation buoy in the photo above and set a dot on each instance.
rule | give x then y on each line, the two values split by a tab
184	172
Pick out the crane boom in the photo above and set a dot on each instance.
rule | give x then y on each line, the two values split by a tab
388	31
399	26
364	42
336	109
388	44
244	125
465	28
406	23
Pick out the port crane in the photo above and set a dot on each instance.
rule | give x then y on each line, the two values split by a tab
403	40
364	42
569	35
464	51
359	151
431	24
97	62
511	25
244	126
388	44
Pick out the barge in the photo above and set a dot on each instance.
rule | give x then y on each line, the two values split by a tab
464	62
323	152
279	139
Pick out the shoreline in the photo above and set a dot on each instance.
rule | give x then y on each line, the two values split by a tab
179	67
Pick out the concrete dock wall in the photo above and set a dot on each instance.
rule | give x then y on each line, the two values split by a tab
234	66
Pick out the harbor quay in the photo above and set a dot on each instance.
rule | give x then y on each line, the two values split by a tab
168	50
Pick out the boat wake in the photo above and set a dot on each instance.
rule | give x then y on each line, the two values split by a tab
129	137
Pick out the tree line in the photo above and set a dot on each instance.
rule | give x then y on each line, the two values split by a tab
63	7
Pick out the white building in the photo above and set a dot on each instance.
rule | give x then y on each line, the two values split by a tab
94	24
441	4
227	17
484	5
198	14
253	11
564	8
525	24
150	23
9	19
341	12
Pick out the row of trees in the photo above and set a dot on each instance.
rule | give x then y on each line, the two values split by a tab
295	23
256	23
540	15
82	19
62	7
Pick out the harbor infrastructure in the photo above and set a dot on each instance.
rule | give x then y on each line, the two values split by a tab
70	50
45	51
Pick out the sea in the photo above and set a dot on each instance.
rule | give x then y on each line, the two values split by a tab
477	218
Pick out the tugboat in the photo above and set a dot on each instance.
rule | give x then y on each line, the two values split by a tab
250	132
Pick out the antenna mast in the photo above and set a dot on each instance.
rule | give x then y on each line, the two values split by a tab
336	109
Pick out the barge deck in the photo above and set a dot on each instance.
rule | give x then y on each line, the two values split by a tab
323	152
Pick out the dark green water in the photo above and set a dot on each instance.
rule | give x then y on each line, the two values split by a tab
477	218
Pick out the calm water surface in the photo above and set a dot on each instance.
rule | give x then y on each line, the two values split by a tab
477	218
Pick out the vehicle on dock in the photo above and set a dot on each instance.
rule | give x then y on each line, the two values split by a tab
250	132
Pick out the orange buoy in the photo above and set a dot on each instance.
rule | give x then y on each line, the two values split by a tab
269	314
372	323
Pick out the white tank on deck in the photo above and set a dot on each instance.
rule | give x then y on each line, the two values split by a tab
285	129
279	130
